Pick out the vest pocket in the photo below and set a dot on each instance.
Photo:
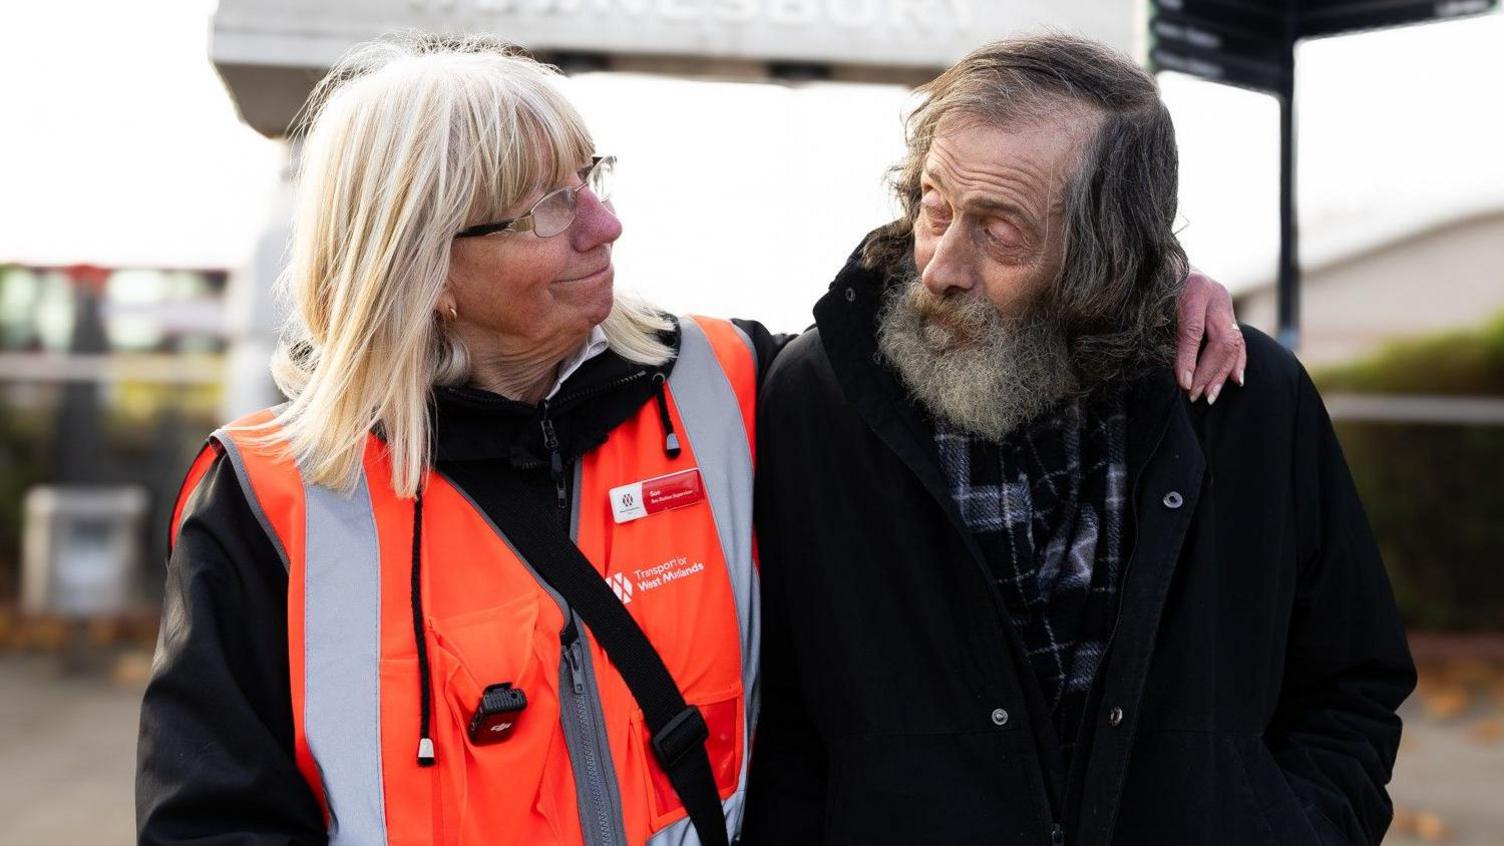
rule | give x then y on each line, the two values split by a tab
723	718
491	787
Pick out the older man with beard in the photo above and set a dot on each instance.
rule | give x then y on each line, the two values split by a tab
1018	589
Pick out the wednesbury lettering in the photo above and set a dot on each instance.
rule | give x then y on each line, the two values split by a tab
848	14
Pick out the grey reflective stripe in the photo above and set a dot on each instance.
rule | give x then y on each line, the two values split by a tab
712	419
342	659
341	649
682	833
232	452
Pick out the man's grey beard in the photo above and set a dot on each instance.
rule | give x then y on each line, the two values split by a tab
972	367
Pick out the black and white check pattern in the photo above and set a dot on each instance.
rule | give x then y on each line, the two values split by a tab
1047	508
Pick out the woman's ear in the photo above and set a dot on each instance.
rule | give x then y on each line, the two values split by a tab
445	307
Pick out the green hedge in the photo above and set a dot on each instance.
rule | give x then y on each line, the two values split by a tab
1469	363
1434	493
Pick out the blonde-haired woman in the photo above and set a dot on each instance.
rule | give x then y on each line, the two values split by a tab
350	582
377	629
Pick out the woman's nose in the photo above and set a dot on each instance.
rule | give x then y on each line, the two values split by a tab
595	223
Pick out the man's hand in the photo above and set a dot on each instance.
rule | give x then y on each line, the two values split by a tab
1205	311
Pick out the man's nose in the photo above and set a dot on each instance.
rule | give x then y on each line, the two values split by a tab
595	223
952	265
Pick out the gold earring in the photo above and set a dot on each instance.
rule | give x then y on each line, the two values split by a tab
453	315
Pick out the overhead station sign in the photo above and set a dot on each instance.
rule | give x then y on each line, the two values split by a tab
1240	43
272	44
1334	17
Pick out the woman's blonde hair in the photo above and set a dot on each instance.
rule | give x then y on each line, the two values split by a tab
406	141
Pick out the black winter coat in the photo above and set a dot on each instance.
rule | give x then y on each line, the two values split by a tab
1249	690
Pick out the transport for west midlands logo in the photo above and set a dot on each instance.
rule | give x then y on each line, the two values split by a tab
621	586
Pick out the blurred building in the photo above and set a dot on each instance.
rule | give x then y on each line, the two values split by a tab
1444	276
107	376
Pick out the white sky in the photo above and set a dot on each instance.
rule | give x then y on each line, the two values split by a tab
120	146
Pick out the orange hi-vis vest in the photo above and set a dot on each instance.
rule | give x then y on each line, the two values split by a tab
577	767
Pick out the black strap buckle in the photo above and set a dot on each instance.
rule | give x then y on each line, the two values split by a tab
683	734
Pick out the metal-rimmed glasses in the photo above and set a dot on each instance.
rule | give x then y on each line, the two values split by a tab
554	212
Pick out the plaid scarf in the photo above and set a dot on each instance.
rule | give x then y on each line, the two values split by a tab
1047	508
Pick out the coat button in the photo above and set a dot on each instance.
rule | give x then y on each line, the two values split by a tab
1173	499
1115	717
850	295
999	717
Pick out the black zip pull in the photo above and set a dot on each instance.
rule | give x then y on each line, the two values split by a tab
570	637
576	670
1057	835
555	460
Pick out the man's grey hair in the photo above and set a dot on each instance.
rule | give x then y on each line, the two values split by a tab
1123	267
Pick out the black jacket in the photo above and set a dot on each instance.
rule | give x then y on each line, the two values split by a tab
215	755
1250	686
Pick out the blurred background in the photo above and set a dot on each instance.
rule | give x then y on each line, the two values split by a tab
144	195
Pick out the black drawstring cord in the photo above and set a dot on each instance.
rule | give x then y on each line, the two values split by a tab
425	742
670	439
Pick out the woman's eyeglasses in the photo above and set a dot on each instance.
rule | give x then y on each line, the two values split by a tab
554	212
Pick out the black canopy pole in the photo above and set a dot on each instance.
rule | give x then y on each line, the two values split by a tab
1289	249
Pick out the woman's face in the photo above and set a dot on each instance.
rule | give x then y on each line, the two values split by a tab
518	295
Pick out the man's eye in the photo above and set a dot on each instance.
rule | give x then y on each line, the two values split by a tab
1003	234
934	209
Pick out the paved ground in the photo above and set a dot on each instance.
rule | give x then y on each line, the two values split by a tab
67	753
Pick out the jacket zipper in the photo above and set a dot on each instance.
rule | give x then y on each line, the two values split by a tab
1057	835
551	435
569	400
582	742
555	458
580	707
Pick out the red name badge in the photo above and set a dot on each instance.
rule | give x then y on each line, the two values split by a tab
650	496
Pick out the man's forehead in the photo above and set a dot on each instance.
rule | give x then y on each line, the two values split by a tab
974	145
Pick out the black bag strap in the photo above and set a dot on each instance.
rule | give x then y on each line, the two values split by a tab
679	730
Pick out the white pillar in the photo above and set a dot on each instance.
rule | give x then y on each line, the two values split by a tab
253	313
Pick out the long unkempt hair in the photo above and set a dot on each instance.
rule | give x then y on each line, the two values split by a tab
1123	267
405	142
